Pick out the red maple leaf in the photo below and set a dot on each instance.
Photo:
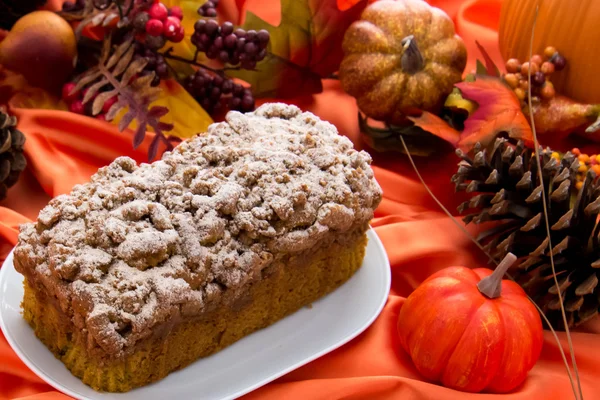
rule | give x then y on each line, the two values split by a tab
304	48
498	111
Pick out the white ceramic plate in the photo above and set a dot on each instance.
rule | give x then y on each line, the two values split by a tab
240	368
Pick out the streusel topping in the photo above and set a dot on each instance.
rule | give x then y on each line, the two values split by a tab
140	245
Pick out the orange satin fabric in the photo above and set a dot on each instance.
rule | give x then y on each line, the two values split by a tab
64	149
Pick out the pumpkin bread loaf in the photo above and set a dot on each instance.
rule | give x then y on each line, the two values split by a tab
147	268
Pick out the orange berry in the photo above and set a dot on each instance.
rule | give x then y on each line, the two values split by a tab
576	151
513	65
549	52
583	168
537	59
596	169
547	68
511	80
520	93
556	156
598	159
584	158
579	185
529	66
524	84
547	91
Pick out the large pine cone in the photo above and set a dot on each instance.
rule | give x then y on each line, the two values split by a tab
506	187
12	160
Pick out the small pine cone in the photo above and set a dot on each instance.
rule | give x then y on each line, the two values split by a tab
12	160
506	189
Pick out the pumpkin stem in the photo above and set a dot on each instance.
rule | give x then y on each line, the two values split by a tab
412	60
491	286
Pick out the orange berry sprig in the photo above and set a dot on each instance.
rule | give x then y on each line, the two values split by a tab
586	162
542	67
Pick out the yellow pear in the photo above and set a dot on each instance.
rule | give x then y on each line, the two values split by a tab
42	47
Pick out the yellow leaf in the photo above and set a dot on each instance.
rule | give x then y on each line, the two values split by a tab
188	117
455	100
185	48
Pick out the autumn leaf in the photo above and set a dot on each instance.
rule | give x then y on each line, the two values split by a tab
490	67
185	114
346	4
455	100
304	48
498	111
185	48
435	125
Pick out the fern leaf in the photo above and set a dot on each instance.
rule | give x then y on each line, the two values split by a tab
118	70
135	68
114	110
126	120
158	111
101	99
139	135
153	149
124	62
86	79
119	52
92	90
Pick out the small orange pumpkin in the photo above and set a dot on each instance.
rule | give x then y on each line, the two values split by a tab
401	56
571	27
471	330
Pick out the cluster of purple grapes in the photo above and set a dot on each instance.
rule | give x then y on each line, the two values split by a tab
229	45
213	91
209	9
156	63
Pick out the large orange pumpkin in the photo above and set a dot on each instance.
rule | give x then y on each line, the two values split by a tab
571	27
471	330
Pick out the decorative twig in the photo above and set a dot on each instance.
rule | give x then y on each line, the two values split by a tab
120	9
167	54
545	207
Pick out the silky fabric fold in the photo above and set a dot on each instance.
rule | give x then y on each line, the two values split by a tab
64	149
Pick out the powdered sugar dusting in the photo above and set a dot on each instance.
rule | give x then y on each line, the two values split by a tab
138	246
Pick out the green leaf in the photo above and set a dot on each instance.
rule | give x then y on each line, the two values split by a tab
480	69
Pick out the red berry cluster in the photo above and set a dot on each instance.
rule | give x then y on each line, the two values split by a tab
160	24
75	101
541	68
